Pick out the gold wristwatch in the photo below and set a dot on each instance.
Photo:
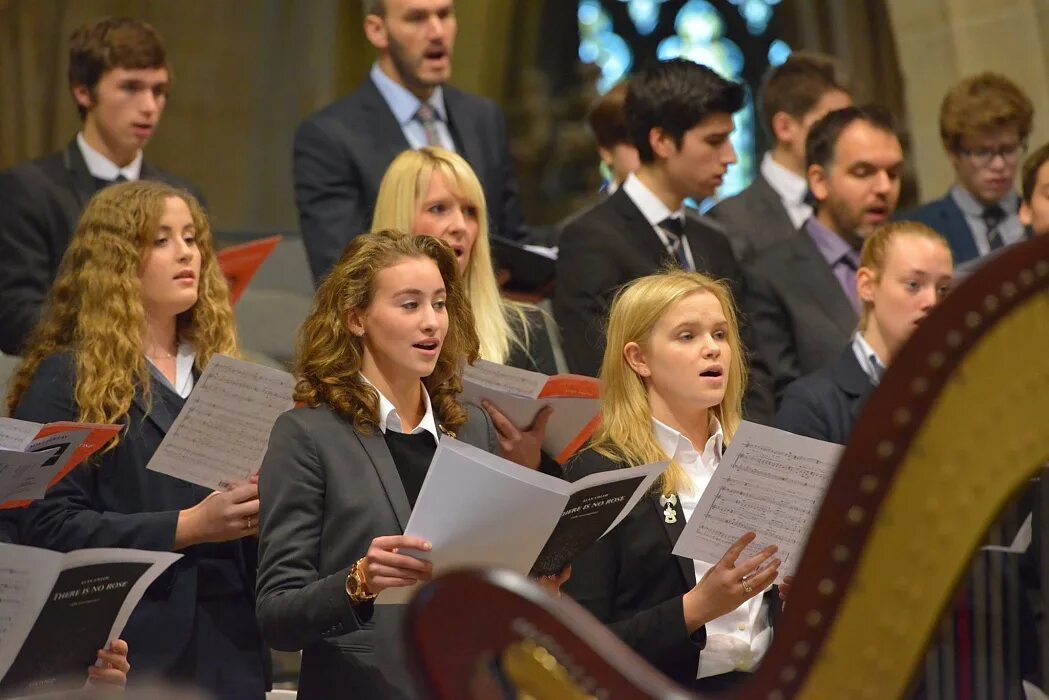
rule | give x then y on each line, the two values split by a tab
357	586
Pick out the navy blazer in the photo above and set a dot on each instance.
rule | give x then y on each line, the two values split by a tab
342	152
113	501
825	404
40	203
944	216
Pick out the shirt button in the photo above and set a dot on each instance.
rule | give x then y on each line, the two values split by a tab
741	627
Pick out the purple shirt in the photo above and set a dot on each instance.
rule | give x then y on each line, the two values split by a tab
842	258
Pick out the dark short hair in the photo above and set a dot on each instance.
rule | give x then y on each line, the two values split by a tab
1031	166
675	96
796	86
101	45
607	119
822	141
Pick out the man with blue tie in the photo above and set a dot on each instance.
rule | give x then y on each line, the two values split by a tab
119	80
342	151
679	117
984	122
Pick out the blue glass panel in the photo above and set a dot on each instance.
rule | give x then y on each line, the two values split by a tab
669	48
779	51
698	21
644	14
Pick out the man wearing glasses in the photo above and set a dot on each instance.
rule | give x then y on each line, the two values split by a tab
984	122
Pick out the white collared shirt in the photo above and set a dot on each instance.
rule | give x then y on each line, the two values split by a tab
389	419
654	211
790	187
404	106
103	168
185	356
870	363
736	641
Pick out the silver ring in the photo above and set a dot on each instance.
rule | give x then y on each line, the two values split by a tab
747	588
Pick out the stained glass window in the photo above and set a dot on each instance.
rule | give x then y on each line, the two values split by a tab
734	37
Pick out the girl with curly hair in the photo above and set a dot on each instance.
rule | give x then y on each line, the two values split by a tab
379	367
137	310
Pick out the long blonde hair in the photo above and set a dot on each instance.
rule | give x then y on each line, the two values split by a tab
402	189
329	356
625	433
94	309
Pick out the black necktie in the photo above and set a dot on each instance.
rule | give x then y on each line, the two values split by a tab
101	182
993	216
675	231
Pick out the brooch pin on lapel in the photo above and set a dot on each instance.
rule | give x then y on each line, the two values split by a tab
669	513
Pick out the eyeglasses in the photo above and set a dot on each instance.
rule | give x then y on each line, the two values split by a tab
982	157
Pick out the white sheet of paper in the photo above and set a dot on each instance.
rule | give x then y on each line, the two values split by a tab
17	434
221	434
770	482
514	392
24	474
478	509
27	575
1020	542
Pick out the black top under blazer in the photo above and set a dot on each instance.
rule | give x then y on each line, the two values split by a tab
40	203
327	490
113	501
605	248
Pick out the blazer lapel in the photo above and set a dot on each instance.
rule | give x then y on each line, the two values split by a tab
80	181
957	232
158	411
382	460
853	381
811	272
674	530
771	203
464	130
389	140
636	229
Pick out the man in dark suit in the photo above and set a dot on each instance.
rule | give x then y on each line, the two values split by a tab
119	79
984	122
342	151
795	95
680	119
801	298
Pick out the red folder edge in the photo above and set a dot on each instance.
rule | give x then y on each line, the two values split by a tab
239	263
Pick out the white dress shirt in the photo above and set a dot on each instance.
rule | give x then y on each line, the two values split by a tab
790	187
185	356
736	641
654	211
103	168
870	363
389	419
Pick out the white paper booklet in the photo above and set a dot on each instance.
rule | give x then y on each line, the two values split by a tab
769	482
519	394
478	509
57	610
34	456
220	435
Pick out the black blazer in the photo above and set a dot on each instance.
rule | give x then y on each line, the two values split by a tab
944	216
342	152
538	356
799	318
754	219
40	203
326	492
825	404
608	246
115	502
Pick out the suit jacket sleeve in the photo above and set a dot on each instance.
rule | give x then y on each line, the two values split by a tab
582	296
295	605
658	633
801	412
67	517
25	262
774	361
328	193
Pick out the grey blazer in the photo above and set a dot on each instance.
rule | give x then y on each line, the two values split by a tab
800	320
754	219
325	491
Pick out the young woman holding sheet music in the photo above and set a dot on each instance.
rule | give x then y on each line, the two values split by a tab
137	310
434	192
672	380
379	368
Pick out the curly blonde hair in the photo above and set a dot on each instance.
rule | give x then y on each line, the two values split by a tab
94	309
625	433
328	358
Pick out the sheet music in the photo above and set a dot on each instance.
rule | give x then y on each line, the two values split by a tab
770	482
504	379
26	474
220	436
17	434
